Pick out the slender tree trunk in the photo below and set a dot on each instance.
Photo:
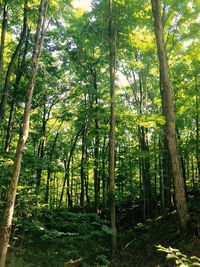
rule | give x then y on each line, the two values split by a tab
87	182
67	178
46	199
41	150
168	107
83	166
167	174
145	171
12	64
13	102
72	179
3	35
161	160
155	179
112	50
96	149
67	169
103	173
193	176
197	130
8	214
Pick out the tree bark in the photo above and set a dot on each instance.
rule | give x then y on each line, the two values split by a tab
144	146
3	35
112	51
197	130
104	177
96	148
8	214
168	107
12	64
67	169
41	149
83	165
13	102
46	198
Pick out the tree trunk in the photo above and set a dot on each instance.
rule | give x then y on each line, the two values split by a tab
41	150
168	107
13	102
8	214
46	198
67	169
3	35
83	165
112	51
96	149
197	130
103	173
145	171
12	64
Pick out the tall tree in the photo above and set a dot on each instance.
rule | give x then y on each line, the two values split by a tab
168	107
20	72
112	50
8	214
12	64
3	35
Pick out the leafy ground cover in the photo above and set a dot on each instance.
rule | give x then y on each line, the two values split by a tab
72	238
143	247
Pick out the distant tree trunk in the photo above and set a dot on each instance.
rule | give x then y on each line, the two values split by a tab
8	214
67	178
46	199
96	170
145	171
83	165
162	196
96	148
103	173
12	64
168	108
197	130
41	150
112	51
72	179
193	176
13	101
3	35
155	178
165	176
67	169
140	94
87	181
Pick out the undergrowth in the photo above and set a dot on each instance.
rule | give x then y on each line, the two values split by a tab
60	238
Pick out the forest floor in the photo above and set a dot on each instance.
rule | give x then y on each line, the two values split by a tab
64	238
139	248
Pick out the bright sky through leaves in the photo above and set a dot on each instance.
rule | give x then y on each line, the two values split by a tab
85	4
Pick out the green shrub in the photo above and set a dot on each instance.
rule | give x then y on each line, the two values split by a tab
180	259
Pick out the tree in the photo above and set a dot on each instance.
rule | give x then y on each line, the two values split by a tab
168	107
12	64
112	51
3	34
8	214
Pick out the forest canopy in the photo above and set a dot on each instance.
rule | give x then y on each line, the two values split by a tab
99	121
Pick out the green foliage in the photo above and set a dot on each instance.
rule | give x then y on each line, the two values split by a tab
65	235
72	91
180	259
